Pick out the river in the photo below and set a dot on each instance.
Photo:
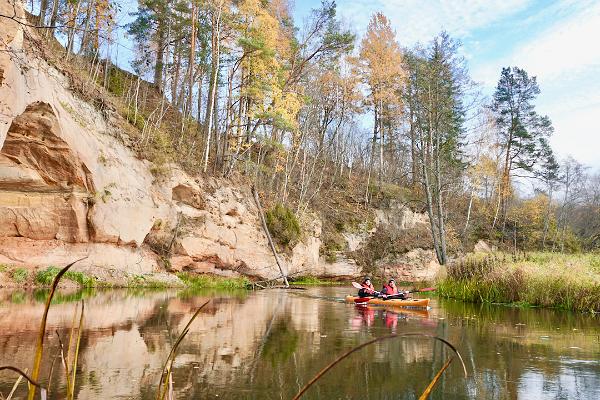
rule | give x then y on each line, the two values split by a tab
268	344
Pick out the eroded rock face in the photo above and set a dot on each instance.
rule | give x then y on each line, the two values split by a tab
44	186
416	265
34	145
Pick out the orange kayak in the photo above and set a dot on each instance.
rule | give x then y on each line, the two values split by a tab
420	303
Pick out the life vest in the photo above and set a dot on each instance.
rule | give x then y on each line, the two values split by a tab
389	290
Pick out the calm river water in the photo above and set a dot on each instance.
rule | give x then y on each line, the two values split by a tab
267	344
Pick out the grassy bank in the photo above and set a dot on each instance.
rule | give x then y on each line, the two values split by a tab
314	281
194	281
536	279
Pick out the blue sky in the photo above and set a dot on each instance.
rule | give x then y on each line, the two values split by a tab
557	41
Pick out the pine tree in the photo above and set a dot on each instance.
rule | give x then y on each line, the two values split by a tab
521	128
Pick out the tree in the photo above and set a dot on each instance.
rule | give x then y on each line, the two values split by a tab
573	180
549	174
521	128
149	30
441	81
381	67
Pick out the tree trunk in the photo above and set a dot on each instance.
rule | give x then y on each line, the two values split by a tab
160	54
175	81
71	31
86	27
42	16
547	218
54	16
268	234
191	62
212	93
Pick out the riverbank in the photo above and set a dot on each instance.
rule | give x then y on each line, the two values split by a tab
16	277
13	277
563	281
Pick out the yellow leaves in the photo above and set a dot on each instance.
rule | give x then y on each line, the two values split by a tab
380	60
267	43
486	169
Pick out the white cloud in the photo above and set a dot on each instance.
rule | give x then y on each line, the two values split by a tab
418	21
566	59
565	49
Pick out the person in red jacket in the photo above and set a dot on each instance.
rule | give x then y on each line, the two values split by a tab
390	289
367	290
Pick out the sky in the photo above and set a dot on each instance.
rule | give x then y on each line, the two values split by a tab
556	41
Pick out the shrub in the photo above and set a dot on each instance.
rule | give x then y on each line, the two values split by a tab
20	275
203	281
283	225
46	277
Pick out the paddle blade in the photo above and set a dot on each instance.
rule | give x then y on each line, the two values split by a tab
357	285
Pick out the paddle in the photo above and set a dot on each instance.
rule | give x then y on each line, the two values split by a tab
359	286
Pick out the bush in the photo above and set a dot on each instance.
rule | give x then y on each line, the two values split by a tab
20	275
46	277
535	279
211	281
283	226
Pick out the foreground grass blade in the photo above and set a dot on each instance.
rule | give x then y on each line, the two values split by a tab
74	366
22	374
165	376
39	351
436	378
15	386
322	372
65	363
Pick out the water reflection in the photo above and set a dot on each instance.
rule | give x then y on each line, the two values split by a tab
268	344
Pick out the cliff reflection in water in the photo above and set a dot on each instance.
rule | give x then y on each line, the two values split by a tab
268	344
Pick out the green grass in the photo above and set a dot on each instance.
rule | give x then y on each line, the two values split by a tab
3	267
18	297
570	282
140	281
20	275
45	277
312	280
211	281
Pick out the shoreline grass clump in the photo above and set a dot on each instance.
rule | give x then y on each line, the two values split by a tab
20	275
45	277
309	280
206	281
570	282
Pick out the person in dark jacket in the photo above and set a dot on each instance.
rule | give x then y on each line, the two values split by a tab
367	290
